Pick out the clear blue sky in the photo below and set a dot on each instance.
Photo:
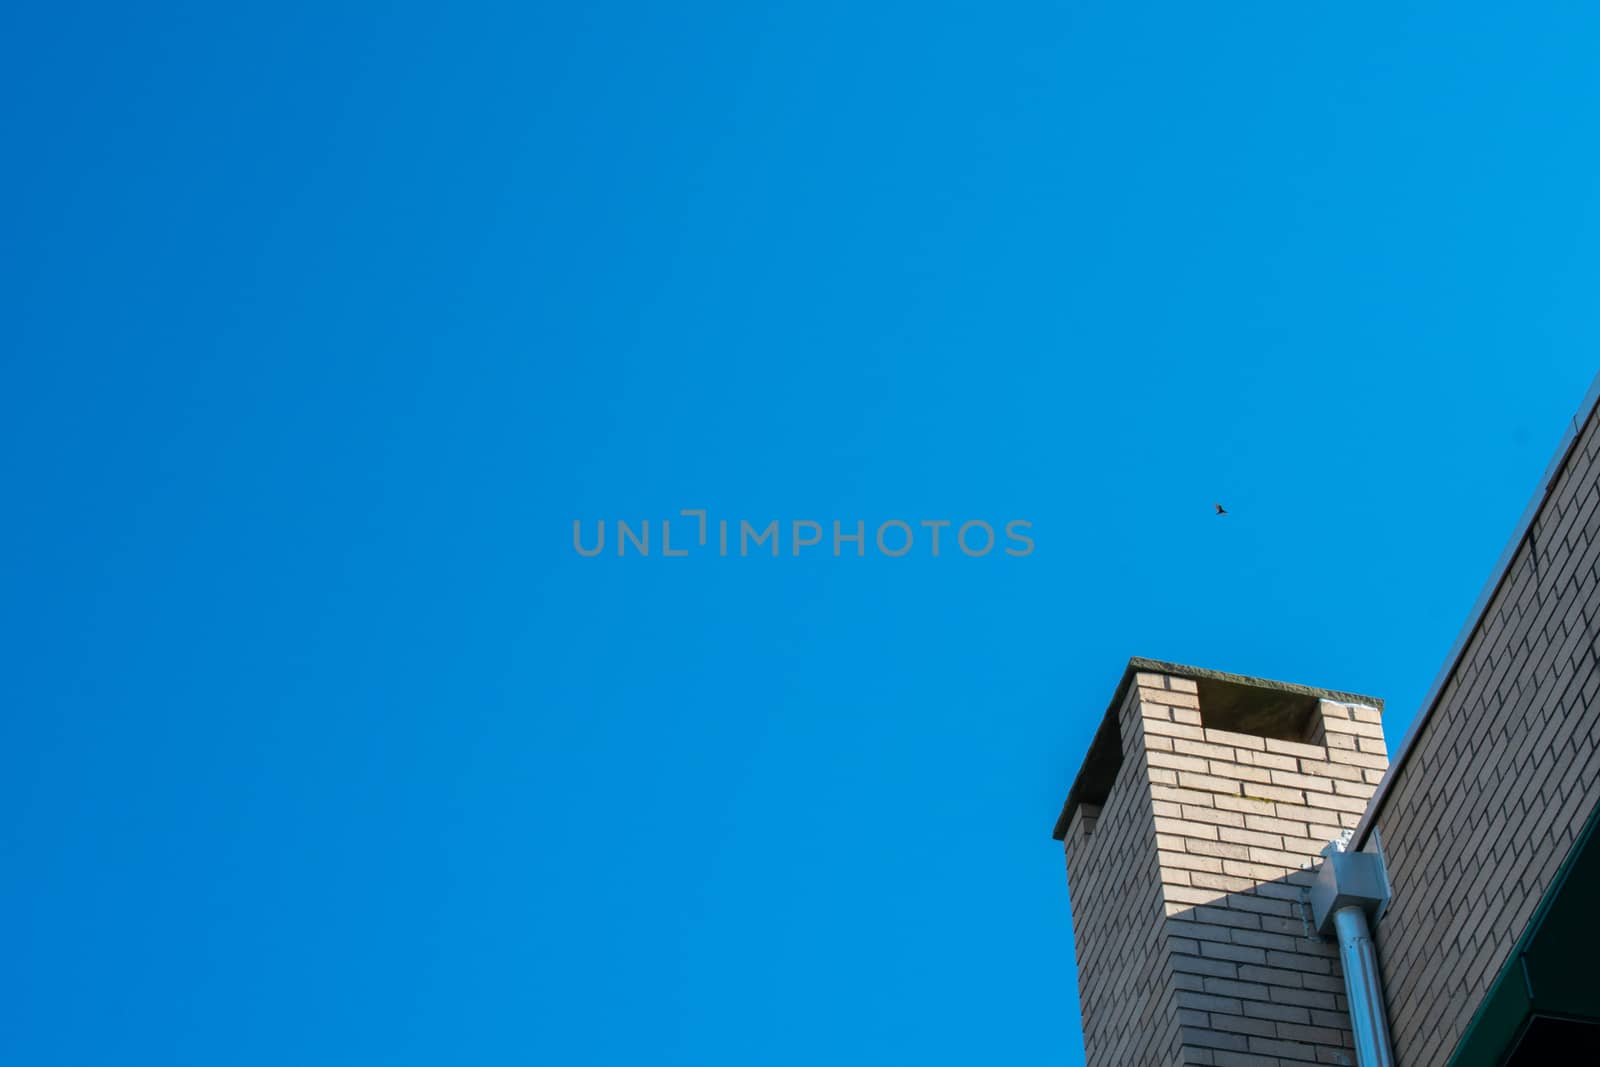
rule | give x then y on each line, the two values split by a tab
320	745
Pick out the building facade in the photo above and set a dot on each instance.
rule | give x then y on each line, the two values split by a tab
1205	829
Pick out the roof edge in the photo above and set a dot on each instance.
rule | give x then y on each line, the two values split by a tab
1491	588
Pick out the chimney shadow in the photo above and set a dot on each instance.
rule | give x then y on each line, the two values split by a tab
1251	976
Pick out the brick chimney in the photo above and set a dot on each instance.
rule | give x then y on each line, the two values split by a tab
1190	832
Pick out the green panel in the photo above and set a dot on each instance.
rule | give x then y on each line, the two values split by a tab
1551	970
1561	959
1500	1019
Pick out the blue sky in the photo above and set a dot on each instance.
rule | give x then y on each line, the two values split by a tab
321	744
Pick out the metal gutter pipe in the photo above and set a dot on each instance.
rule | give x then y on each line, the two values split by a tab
1363	987
1350	887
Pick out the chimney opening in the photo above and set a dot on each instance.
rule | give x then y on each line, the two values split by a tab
1262	712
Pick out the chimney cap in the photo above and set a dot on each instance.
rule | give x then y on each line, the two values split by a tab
1105	751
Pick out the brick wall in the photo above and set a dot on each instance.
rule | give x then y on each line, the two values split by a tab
1124	986
1499	779
1193	938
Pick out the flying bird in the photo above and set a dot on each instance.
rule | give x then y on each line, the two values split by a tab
1221	510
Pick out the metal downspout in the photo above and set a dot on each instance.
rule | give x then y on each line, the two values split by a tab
1363	988
1352	887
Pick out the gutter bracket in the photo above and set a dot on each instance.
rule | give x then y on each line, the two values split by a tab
1345	880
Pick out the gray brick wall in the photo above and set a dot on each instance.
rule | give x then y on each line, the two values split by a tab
1500	778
